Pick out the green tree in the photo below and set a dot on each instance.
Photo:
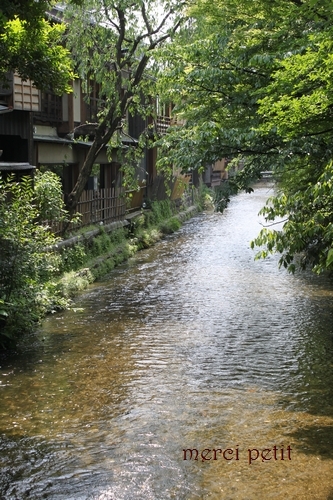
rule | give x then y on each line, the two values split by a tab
253	80
215	73
306	210
299	105
113	44
32	46
25	266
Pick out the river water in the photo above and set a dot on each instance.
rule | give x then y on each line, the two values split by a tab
190	345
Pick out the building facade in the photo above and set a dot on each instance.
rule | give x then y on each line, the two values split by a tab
44	131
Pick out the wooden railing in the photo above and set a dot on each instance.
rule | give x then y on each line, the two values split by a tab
95	206
104	205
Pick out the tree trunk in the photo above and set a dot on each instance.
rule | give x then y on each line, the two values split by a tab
84	175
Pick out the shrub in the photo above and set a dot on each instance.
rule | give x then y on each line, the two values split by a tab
24	265
222	195
170	226
48	197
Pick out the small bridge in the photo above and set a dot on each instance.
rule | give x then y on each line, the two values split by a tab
266	175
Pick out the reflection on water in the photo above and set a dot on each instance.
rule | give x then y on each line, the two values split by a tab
192	344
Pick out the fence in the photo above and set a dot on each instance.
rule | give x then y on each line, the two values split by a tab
102	205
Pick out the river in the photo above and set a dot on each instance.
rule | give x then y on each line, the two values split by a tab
190	345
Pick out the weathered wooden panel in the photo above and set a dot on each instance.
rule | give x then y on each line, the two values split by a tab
179	186
220	165
26	96
136	198
15	123
162	124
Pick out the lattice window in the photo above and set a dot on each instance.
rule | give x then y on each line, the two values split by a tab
51	107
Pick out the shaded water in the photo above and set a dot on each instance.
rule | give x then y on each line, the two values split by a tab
192	344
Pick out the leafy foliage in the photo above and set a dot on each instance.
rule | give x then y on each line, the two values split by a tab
213	76
308	228
254	80
24	265
32	46
49	197
113	46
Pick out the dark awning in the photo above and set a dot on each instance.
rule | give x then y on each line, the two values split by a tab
51	138
125	139
12	166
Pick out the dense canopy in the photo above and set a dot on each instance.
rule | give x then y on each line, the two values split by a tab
253	80
32	46
113	44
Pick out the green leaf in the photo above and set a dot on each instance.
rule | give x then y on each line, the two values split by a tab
329	259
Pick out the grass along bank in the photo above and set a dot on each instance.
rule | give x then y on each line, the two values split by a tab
40	274
89	256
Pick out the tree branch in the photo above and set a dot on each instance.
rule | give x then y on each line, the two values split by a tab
111	21
274	223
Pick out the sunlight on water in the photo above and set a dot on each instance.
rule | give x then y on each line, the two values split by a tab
192	344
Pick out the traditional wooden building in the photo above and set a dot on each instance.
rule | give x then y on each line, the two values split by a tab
41	130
